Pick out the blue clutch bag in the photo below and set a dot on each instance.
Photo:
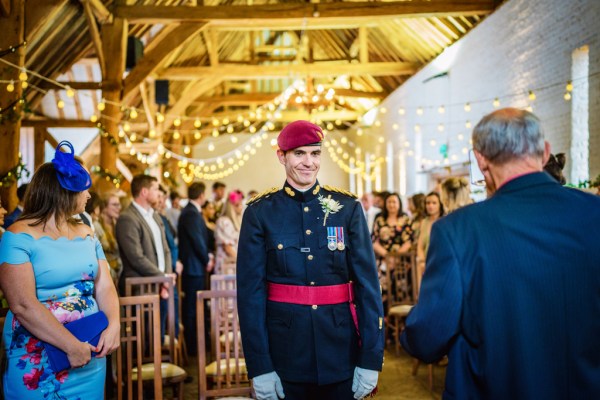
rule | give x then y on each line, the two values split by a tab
87	329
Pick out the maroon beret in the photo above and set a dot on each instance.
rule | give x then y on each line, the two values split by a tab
298	134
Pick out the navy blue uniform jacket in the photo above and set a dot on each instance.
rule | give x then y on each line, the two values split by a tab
511	293
193	251
283	240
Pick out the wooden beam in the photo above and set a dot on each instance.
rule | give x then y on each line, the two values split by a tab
101	12
292	15
51	139
95	33
114	40
4	8
155	56
105	85
13	33
363	48
261	98
58	123
228	71
39	146
39	12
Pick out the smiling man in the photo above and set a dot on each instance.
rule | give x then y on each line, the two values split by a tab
308	296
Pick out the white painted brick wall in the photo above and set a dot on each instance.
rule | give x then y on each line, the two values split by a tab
524	45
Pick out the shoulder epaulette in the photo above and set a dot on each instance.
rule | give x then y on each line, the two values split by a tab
262	195
341	191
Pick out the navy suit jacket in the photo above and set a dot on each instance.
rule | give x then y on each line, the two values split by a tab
193	251
511	293
284	240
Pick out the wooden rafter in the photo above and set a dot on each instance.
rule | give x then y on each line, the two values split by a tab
95	33
225	71
292	15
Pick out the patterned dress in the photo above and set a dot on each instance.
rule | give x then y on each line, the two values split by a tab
64	274
225	234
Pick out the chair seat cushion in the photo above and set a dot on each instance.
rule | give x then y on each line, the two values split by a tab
401	310
211	369
168	371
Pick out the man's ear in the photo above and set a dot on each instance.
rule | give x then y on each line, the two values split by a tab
482	162
547	153
281	156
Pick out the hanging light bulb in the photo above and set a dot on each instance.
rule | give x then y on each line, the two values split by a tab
468	107
496	103
133	114
160	118
569	86
211	147
60	104
417	128
401	111
176	135
177	121
152	133
197	135
70	92
252	129
187	150
93	118
23	75
229	129
234	139
215	122
126	127
133	137
432	142
359	132
567	96
215	132
121	133
440	128
24	84
531	95
10	87
441	109
197	123
383	110
381	139
420	111
101	105
468	124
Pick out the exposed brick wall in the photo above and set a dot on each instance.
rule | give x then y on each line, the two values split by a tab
523	45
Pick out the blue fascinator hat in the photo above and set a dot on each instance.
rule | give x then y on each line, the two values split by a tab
70	173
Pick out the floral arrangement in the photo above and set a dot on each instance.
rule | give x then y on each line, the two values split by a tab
329	206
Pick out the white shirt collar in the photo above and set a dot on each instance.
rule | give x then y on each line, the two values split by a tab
145	213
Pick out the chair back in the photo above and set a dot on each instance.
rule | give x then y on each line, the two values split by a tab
223	282
152	285
140	344
224	372
401	278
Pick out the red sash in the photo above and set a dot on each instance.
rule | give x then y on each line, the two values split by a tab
315	295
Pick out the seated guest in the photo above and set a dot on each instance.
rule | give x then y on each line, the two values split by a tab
456	193
12	217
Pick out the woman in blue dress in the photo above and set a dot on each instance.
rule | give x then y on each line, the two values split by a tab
53	271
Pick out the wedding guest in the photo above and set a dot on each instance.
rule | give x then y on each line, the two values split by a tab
416	207
53	271
208	214
173	212
218	189
110	209
369	209
435	210
455	193
228	232
12	217
511	291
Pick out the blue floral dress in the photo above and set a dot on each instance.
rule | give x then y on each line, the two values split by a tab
64	275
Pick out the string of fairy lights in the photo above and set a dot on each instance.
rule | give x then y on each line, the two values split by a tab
256	125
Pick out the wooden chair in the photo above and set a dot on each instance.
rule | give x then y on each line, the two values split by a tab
140	346
223	282
403	294
172	373
225	374
183	356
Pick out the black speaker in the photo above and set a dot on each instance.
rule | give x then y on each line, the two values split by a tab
135	51
161	92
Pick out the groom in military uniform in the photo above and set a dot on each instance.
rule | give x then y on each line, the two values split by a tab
309	299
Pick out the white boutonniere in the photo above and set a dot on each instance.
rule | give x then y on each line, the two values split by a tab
329	206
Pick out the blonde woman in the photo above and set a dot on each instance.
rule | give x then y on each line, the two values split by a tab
227	233
110	208
455	193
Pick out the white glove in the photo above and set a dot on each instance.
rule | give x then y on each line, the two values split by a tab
268	386
364	382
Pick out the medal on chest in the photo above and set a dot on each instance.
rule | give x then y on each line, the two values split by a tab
335	238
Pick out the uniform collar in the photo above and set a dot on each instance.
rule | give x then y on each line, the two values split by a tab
302	197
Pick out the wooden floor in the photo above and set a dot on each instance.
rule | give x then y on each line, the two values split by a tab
395	382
